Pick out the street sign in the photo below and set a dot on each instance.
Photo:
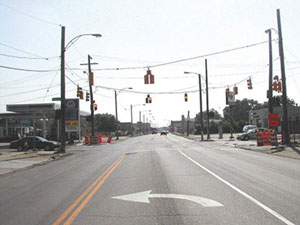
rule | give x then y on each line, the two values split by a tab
273	120
56	99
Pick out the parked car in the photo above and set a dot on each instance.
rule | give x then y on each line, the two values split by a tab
250	134
26	143
249	127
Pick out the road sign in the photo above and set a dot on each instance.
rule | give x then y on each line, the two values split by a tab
273	119
56	99
144	196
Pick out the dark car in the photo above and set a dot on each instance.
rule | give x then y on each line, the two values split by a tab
163	133
39	143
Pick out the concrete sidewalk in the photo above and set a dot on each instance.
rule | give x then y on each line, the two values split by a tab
284	151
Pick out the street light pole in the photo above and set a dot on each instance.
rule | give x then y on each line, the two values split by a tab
116	107
63	85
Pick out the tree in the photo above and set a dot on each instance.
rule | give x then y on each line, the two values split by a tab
105	123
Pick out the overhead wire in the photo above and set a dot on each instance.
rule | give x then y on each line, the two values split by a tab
24	57
28	53
181	60
26	70
28	15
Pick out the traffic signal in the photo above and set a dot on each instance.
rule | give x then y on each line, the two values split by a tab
148	99
249	82
81	94
185	97
78	91
211	114
87	96
235	89
95	107
91	78
227	92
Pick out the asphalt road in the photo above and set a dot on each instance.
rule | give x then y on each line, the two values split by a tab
155	179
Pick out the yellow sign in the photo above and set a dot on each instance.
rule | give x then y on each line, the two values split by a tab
72	123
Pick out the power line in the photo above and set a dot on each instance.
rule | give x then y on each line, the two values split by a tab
28	15
27	70
28	53
23	57
181	60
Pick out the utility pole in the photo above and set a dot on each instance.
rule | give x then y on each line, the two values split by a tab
116	106
231	123
188	124
286	135
270	92
62	95
91	92
207	106
201	116
91	96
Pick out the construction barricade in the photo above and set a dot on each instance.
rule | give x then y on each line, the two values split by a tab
273	139
259	138
97	139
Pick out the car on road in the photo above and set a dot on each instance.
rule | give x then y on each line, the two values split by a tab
250	134
26	143
163	133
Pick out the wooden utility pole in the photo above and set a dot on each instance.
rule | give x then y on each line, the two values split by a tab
286	133
207	106
62	95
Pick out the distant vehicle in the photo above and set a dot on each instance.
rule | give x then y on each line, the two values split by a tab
250	134
154	131
249	127
39	142
163	133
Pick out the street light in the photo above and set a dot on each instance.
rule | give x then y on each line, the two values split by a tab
63	85
200	97
116	106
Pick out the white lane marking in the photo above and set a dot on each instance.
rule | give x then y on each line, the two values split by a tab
274	213
145	195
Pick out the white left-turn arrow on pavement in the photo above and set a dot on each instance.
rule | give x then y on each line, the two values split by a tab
145	195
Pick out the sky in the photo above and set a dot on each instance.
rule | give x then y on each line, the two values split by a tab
168	37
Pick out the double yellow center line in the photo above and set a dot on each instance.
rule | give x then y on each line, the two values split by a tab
86	196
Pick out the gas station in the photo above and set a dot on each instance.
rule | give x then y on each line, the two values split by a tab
39	119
